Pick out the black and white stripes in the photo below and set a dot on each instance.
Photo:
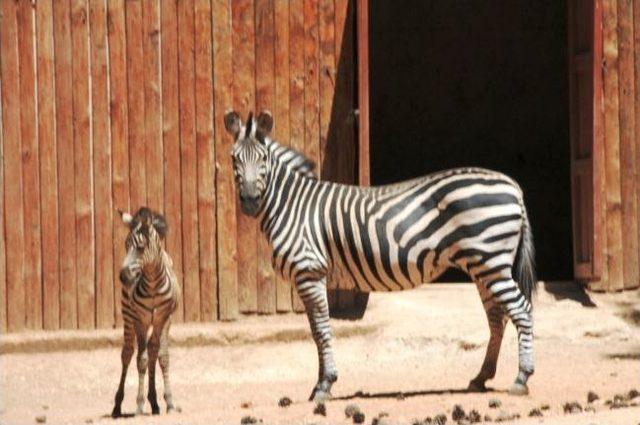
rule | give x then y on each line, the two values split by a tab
150	294
389	238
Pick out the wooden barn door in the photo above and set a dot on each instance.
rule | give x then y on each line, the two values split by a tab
362	26
586	129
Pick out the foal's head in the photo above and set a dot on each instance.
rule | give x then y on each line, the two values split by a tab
143	245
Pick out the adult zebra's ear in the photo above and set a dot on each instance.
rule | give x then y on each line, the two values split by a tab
232	123
160	224
125	217
264	125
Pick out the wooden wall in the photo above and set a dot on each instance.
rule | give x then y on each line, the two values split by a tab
621	156
118	104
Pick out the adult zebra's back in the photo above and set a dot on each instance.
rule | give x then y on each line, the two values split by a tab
389	238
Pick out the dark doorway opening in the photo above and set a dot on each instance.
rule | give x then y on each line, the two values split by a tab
477	83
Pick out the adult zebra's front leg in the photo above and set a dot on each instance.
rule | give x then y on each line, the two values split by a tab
313	291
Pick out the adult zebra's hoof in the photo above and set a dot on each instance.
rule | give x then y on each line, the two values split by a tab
518	389
116	412
476	386
321	393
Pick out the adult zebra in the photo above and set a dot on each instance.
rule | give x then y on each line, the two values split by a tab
389	238
150	295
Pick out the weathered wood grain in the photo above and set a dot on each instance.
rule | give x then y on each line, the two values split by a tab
226	209
206	157
190	250
30	170
171	138
101	145
244	95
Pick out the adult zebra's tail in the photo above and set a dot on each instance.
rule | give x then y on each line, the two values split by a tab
525	270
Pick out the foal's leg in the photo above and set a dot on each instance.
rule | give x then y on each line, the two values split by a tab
127	353
153	346
313	292
497	320
142	360
164	365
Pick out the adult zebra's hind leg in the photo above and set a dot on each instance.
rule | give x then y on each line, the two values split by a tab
313	292
506	293
164	365
496	319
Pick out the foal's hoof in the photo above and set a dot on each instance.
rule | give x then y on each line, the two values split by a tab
476	386
518	389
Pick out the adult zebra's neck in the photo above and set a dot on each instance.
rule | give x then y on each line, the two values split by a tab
289	174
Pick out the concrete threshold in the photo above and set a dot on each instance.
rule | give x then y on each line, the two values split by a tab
247	330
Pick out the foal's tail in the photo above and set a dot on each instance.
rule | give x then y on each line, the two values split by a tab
525	270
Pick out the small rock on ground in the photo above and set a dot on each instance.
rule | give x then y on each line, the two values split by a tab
590	409
247	420
488	418
246	404
458	413
506	416
358	417
545	407
320	409
633	393
351	410
494	403
474	417
41	419
284	402
535	412
591	397
441	419
572	407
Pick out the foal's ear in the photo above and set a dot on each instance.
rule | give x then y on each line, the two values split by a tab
126	218
232	123
160	224
264	125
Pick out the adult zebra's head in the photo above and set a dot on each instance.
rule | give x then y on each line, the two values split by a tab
251	158
143	244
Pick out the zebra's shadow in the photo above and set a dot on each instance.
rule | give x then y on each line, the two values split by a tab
400	395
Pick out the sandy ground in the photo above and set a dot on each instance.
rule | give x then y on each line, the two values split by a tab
426	346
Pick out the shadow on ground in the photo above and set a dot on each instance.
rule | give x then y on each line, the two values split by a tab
407	394
569	291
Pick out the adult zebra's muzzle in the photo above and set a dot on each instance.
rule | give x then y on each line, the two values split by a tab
250	200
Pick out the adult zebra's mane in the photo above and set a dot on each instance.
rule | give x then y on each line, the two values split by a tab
292	159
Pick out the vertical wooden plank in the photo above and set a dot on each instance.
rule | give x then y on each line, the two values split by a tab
118	93
48	164
225	211
327	70
66	176
282	131
3	257
612	147
171	137
152	105
631	271
297	85
186	45
85	242
30	171
136	104
265	95
205	152
312	83
363	90
105	315
14	222
244	66
636	48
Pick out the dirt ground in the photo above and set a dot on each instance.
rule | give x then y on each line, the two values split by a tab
425	347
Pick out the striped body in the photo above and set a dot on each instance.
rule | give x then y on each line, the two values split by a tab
150	294
389	238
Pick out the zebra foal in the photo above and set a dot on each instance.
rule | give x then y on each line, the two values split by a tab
150	294
389	238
